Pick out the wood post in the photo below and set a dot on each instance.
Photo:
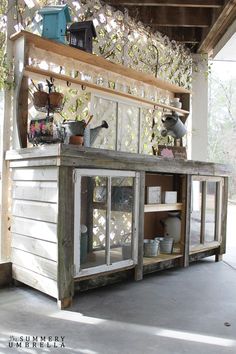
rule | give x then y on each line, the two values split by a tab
187	210
65	236
139	266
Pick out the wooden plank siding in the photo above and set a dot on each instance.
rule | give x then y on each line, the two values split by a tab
35	280
34	227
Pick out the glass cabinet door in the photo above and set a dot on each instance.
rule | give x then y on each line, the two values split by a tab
206	200
105	220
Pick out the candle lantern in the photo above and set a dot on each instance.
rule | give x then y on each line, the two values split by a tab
81	35
55	19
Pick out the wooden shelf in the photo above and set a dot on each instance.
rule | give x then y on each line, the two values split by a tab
150	208
37	73
91	59
160	258
205	247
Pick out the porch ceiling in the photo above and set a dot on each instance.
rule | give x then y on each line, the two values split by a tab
197	23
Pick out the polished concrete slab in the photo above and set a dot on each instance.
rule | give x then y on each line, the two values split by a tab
176	311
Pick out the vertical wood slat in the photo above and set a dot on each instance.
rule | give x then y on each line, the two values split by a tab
218	211
224	215
203	213
139	266
65	235
187	215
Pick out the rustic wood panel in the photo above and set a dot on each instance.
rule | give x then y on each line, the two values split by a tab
169	263
35	210
152	225
187	200
219	27
35	174
71	155
22	110
37	281
35	162
34	263
160	258
34	228
90	157
33	152
139	267
5	273
182	17
224	216
193	257
80	55
66	234
37	191
40	248
207	246
172	3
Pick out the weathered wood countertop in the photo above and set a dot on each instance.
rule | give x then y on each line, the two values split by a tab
74	156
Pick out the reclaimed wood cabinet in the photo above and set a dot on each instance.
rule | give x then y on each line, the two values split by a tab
79	215
47	214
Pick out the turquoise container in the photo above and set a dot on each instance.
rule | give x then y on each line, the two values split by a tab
55	19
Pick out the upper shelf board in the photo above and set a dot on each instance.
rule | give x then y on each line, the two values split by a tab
36	73
77	54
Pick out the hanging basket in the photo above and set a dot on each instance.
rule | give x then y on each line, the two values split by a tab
55	101
41	101
48	102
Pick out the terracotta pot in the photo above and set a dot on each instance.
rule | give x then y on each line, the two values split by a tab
76	140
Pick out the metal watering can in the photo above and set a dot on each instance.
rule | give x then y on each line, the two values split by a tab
72	128
173	126
90	134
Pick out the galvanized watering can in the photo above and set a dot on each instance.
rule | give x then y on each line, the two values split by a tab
90	135
173	126
72	128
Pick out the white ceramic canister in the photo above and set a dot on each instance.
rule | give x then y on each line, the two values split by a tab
172	226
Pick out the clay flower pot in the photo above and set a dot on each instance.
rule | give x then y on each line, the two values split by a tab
76	140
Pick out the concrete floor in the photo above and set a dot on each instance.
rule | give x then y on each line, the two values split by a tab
172	312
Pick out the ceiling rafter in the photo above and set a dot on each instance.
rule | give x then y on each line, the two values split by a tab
170	3
219	27
173	17
197	23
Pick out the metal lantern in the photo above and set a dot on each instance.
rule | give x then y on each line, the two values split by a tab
81	35
55	19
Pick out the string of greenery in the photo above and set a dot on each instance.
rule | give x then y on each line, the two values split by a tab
4	67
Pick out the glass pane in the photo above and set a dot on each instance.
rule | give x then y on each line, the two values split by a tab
129	128
122	198
104	110
93	221
195	222
210	212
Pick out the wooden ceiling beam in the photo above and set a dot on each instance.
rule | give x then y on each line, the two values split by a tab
219	27
188	35
169	3
172	17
